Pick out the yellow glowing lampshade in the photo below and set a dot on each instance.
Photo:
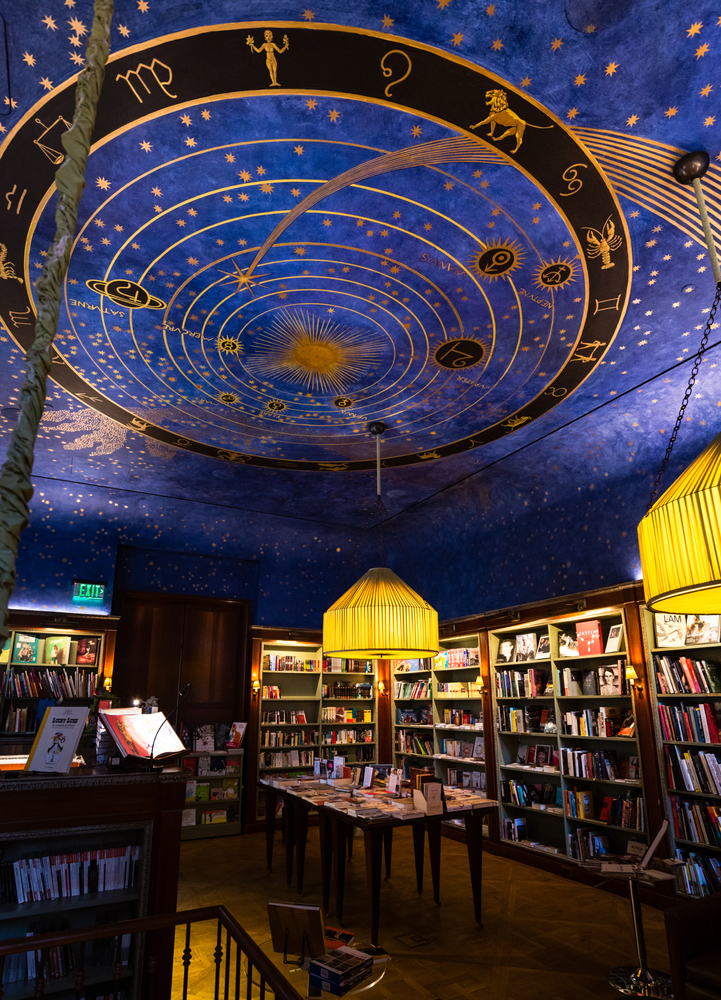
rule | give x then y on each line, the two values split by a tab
380	617
680	540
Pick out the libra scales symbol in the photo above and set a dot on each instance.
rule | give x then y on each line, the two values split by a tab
53	155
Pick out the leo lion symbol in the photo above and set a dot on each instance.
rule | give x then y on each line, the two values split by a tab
501	114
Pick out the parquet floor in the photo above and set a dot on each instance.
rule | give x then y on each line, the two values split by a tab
544	938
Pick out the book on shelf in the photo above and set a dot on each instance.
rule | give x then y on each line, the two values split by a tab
286	717
57	650
26	648
586	843
686	676
202	791
529	683
271	692
457	717
693	772
600	765
525	647
567	644
347	690
5	651
506	650
204	737
228	790
421	715
412	743
141	735
411	690
702	629
602	722
409	666
286	662
235	736
190	789
615	638
543	649
288	738
62	876
588	638
670	629
697	821
189	817
520	793
455	659
691	723
57	739
211	817
87	651
699	875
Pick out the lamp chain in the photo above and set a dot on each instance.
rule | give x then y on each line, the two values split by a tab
686	397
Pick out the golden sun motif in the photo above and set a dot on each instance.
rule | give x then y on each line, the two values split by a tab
497	259
555	274
319	354
228	398
229	345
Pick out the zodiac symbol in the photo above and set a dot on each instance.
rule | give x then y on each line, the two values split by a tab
603	308
7	270
429	454
333	466
22	317
151	70
342	402
570	175
592	345
126	293
233	456
12	192
270	48
276	405
459	354
52	154
389	72
603	242
137	424
57	360
181	442
513	422
556	391
502	115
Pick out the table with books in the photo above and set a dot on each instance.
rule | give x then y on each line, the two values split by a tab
377	814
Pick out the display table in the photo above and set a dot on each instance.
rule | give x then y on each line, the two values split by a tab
335	826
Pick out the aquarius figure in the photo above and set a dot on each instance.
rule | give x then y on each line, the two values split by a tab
270	48
7	270
603	242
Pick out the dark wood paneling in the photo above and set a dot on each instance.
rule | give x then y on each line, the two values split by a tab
252	741
148	653
213	661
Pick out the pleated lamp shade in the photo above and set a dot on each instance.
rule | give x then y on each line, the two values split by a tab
680	540
380	617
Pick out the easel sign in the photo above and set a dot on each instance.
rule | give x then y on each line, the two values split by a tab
296	929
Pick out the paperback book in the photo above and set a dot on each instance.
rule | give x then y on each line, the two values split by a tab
142	735
57	739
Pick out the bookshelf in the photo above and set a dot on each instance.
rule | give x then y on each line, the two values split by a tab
412	713
224	784
45	661
458	713
569	784
321	712
686	723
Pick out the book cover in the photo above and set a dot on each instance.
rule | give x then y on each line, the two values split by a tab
190	787
588	638
702	629
506	650
189	817
525	647
237	732
670	629
573	681
232	765
609	679
615	638
589	682
26	649
567	645
57	739
57	650
87	651
204	738
141	735
543	649
544	756
202	791
203	765
213	816
5	652
222	732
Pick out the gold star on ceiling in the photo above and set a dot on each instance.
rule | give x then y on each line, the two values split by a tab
205	114
671	112
526	81
145	146
702	50
186	120
308	15
49	23
76	58
123	30
143	6
311	104
611	68
46	83
710	120
28	58
102	183
295	192
442	4
77	26
156	191
572	113
580	80
694	29
244	175
706	90
416	131
497	45
298	150
190	141
556	44
266	187
632	120
388	22
229	158
260	171
334	115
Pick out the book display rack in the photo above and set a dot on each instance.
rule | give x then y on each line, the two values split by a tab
61	880
684	671
458	713
312	707
213	795
567	755
412	713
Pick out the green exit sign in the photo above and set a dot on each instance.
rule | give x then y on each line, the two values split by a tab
88	593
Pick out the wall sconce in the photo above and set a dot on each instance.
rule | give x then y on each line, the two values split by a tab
480	684
381	688
255	687
634	680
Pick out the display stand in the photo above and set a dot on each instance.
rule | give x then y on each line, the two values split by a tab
638	980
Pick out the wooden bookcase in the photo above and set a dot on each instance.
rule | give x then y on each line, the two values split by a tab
412	741
542	799
698	849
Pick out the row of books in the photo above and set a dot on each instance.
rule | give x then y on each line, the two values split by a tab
690	723
273	661
410	666
48	684
459	689
686	676
531	719
410	691
699	822
586	843
208	817
700	874
463	748
348	691
686	630
54	650
602	722
466	779
340	713
215	766
60	876
203	791
348	736
588	641
293	758
271	692
296	738
456	659
601	765
420	715
23	719
541	755
413	743
352	754
460	717
213	736
519	794
608	680
334	665
286	717
700	772
626	811
532	683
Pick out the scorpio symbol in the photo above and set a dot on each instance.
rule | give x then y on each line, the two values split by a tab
7	270
603	242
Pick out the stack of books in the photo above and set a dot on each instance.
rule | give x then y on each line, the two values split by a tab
341	971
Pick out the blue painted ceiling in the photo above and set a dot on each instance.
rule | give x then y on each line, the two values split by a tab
517	300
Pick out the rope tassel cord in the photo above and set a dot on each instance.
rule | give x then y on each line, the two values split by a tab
15	486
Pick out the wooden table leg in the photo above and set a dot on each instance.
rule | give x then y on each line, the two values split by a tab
301	838
433	825
418	848
474	843
271	804
326	857
290	809
374	858
387	849
350	843
339	832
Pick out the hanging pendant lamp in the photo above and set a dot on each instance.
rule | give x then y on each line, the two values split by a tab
680	535
380	617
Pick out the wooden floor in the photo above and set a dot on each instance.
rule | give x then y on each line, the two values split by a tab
544	937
